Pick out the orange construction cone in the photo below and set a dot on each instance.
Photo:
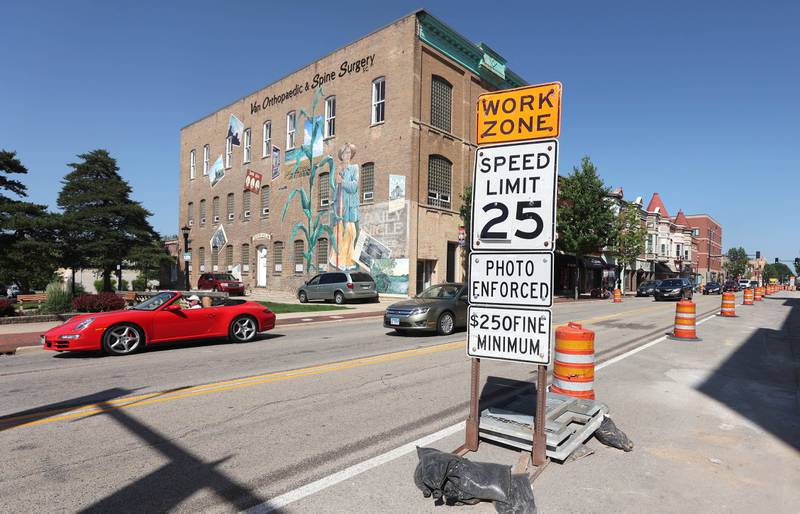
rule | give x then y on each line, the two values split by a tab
617	296
759	294
748	297
573	370
685	322
728	305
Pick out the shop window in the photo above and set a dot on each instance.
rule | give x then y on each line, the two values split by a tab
330	117
378	100
265	202
266	145
367	182
439	176
441	103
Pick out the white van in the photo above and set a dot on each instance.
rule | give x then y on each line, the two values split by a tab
744	283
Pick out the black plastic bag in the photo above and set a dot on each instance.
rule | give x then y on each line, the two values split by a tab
459	481
608	434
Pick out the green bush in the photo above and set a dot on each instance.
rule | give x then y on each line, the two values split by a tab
125	285
59	299
79	289
139	283
98	284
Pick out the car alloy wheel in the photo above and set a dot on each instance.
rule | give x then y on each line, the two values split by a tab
302	297
122	340
446	324
243	329
338	298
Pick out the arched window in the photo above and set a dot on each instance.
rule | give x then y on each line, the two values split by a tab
265	202
299	258
201	255
277	257
190	214
245	259
367	177
229	257
202	212
231	202
215	208
441	103
324	189
322	254
246	204
214	259
439	177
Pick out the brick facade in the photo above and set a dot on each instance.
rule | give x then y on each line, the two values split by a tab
707	237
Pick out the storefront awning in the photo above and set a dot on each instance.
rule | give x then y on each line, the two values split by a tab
594	262
662	268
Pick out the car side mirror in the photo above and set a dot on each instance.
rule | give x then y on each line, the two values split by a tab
173	308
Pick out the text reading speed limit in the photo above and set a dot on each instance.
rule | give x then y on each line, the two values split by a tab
514	188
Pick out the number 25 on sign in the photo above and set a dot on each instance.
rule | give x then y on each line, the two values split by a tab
530	112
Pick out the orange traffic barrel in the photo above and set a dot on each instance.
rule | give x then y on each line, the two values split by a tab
573	370
748	297
728	305
617	296
759	294
685	322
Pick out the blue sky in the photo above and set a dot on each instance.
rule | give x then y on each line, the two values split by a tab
696	100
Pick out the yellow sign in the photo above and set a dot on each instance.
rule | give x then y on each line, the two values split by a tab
530	112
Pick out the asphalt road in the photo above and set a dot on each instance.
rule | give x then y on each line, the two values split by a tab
213	426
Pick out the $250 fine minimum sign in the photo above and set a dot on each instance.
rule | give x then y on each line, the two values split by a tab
504	333
514	196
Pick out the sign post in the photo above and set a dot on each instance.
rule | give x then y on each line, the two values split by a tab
512	240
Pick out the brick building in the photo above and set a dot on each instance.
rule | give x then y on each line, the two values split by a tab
370	180
707	237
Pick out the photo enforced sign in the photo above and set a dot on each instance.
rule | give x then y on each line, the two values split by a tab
514	188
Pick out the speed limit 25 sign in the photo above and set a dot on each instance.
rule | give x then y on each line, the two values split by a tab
514	196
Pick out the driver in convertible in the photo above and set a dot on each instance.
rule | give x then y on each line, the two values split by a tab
194	302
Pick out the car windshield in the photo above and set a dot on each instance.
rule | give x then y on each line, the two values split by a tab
672	283
224	276
154	302
441	292
647	284
713	284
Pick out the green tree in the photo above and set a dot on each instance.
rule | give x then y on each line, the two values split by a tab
585	219
27	231
147	259
736	264
797	266
777	270
631	234
465	211
105	224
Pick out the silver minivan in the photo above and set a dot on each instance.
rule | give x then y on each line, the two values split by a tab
339	286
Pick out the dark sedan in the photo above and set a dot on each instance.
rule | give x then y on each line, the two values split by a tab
712	288
674	289
730	285
647	288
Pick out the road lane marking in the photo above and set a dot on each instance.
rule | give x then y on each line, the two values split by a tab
79	411
340	476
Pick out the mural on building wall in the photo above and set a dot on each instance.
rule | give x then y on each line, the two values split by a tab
316	145
276	162
314	227
252	182
217	172
370	249
383	249
391	275
397	187
345	209
235	130
219	239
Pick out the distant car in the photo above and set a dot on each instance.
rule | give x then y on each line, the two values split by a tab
647	288
222	282
674	289
159	319
441	308
754	283
743	284
730	286
339	286
712	288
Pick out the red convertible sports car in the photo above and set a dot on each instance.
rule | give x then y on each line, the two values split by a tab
161	318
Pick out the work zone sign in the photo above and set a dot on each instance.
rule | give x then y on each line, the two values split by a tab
531	112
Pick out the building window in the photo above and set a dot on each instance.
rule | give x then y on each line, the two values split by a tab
215	209
190	214
245	259
685	254
291	128
246	204
201	254
439	172
441	103
322	254
214	259
299	248
367	185
192	164
649	245
696	232
228	151
378	100
206	159
265	202
230	205
229	258
324	190
202	212
266	151
330	116
248	143
663	249
277	257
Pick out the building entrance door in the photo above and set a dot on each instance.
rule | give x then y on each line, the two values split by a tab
451	261
261	267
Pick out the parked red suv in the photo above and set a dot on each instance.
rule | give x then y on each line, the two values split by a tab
223	282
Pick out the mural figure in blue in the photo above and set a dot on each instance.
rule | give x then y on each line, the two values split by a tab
346	201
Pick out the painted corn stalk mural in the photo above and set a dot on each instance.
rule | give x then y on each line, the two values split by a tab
314	226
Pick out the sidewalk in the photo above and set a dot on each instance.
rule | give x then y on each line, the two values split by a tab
13	336
715	423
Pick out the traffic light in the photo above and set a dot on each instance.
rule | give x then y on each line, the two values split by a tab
758	255
776	260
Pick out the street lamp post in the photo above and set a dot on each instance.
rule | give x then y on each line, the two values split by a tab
185	231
